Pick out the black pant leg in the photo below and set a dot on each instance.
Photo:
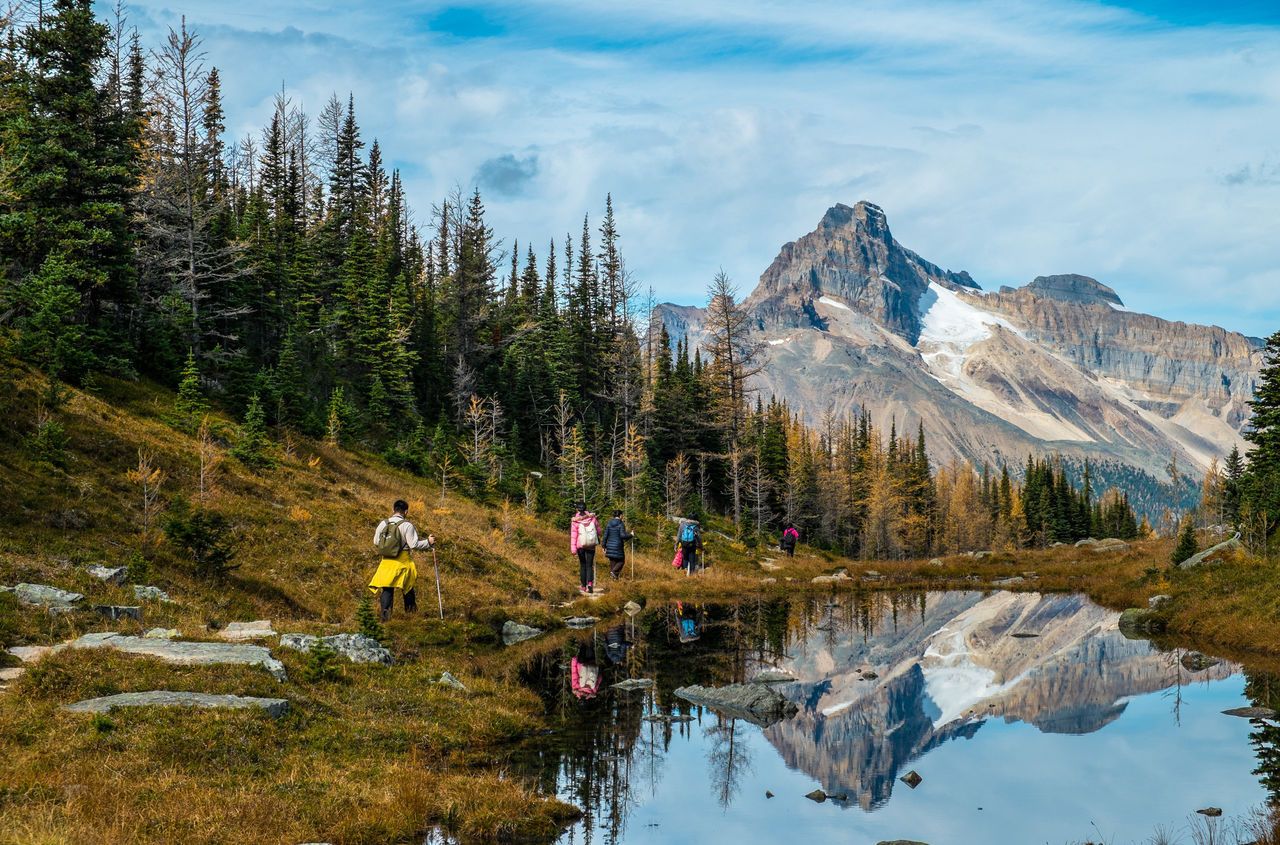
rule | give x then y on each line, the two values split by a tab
411	601
385	598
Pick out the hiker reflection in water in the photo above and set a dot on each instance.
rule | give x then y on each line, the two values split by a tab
584	671
688	622
616	644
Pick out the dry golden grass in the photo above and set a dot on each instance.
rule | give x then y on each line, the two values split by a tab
381	754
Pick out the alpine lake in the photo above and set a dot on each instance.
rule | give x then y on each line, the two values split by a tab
1025	718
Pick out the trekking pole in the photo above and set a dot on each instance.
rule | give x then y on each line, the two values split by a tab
435	564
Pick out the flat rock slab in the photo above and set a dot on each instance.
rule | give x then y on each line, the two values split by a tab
162	634
634	683
774	676
42	595
186	653
1210	554
275	707
236	631
31	653
513	632
759	704
1251	712
12	673
355	647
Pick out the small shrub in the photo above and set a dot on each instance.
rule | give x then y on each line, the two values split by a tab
206	537
8	618
322	663
367	618
102	724
139	568
48	443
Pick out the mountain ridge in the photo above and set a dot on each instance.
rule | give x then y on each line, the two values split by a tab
850	318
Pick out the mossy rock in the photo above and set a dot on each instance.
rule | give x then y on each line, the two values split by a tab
1136	622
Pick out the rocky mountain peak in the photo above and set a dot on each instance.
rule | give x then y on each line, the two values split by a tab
851	262
1073	288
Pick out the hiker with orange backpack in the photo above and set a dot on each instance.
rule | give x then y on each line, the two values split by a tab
584	536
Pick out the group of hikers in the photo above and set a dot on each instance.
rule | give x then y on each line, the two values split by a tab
396	537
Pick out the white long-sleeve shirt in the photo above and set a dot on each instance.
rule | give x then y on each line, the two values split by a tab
408	534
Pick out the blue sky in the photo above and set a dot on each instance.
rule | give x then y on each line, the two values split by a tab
1138	144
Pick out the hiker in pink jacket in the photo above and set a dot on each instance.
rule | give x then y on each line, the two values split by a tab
584	536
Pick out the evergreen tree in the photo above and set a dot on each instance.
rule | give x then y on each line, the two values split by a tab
1186	545
252	445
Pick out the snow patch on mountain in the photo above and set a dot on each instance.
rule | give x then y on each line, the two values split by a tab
834	303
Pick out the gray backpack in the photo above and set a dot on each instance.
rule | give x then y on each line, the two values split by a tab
389	541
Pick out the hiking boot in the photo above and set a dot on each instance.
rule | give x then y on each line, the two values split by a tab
591	588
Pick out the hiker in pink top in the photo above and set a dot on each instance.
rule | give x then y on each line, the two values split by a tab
584	536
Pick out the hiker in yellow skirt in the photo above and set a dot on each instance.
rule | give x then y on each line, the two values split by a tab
395	537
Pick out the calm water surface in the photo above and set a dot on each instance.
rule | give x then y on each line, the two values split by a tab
1076	734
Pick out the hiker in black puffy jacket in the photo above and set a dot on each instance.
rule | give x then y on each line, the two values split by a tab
615	544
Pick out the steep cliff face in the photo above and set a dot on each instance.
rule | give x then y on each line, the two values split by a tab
850	318
946	670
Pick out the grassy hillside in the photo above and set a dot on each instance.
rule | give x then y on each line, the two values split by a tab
379	754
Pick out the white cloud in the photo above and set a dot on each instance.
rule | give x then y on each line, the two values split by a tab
1011	139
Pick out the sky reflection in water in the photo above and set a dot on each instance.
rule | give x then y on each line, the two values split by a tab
1093	738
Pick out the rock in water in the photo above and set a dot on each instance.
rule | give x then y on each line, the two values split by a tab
514	632
1213	553
817	795
185	653
773	676
1194	661
1251	712
768	794
580	621
634	684
757	703
1211	812
51	598
275	707
257	629
355	647
1140	620
903	841
912	779
111	575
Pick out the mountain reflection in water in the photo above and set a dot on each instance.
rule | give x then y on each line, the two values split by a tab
885	682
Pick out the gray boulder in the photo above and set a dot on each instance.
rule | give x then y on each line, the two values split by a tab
773	676
580	621
759	704
1111	544
447	679
514	632
275	707
1210	554
355	647
109	574
50	598
1009	582
143	592
1157	602
185	653
161	634
936	562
